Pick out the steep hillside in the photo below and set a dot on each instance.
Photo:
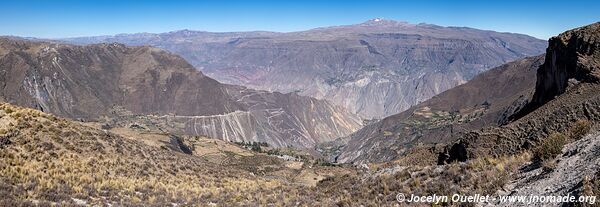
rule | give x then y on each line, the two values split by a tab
487	100
566	91
375	69
89	82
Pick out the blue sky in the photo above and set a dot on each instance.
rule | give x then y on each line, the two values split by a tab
63	18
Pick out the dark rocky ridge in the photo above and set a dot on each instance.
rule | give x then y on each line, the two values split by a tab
571	55
375	69
89	82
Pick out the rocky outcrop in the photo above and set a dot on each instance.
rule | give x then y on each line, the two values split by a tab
89	82
577	161
485	101
574	54
375	69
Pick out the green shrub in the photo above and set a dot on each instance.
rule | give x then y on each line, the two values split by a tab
550	147
8	110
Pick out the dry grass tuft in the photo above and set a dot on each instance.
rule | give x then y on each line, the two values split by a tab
581	128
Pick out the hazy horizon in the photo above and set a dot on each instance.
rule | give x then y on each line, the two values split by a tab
66	18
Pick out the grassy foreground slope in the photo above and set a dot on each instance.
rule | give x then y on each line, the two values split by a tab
49	160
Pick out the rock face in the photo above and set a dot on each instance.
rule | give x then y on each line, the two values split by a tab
577	161
575	55
88	82
487	100
375	69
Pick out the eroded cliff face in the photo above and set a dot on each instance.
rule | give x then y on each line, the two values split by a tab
487	100
574	55
85	82
282	120
374	69
88	82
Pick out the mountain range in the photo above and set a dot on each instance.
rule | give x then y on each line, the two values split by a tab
374	69
113	80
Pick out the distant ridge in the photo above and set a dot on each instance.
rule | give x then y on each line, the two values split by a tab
117	81
375	69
